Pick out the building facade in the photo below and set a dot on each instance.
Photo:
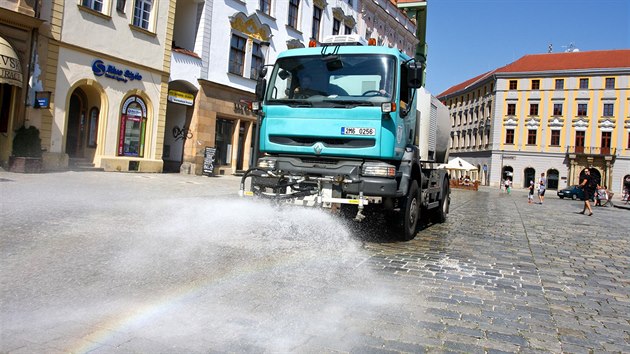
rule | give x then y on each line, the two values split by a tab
19	24
217	50
103	67
555	113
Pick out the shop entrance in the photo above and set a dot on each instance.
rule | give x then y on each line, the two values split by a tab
76	124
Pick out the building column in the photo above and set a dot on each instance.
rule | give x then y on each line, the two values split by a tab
572	169
235	135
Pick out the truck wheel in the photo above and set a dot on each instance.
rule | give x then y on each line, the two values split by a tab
438	215
406	220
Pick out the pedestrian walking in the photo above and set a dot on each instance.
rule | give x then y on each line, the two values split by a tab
530	196
542	186
588	185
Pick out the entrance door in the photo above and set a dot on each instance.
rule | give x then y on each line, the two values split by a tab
76	121
241	147
552	179
530	175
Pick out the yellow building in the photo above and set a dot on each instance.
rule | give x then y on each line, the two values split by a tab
555	113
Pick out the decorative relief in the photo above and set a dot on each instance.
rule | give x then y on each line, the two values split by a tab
607	124
294	43
580	123
320	3
350	21
556	122
338	13
510	122
533	123
250	26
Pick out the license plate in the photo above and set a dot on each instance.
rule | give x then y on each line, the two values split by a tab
358	131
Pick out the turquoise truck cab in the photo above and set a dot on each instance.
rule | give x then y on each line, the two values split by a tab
339	129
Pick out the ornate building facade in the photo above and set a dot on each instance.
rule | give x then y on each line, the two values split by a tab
556	113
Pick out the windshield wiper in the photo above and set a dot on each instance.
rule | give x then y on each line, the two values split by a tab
349	103
292	103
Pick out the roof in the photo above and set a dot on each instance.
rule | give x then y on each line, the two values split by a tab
597	59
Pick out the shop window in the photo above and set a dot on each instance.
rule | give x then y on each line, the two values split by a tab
223	141
93	127
294	7
133	123
237	55
142	14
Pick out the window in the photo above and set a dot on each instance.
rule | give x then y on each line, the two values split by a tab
294	6
257	61
96	5
142	13
237	55
317	19
511	109
265	6
559	84
533	109
133	124
120	6
584	84
535	84
531	137
513	84
509	136
347	30
555	138
579	138
557	109
581	111
608	109
610	82
336	26
350	2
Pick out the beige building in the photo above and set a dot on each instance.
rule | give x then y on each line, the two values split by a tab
18	31
555	113
105	65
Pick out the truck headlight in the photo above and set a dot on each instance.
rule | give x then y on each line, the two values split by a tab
378	170
267	164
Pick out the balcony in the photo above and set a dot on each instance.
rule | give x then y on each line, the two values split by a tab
593	151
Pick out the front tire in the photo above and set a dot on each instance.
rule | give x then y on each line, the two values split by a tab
574	197
438	215
405	222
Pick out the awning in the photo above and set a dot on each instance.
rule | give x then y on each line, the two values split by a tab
10	68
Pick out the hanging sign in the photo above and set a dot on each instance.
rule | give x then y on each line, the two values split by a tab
184	98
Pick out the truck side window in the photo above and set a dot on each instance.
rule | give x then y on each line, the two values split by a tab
404	89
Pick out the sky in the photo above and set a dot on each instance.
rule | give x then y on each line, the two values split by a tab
467	38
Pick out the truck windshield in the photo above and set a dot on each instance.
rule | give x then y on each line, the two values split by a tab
350	80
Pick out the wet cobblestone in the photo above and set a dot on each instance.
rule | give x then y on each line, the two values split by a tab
499	276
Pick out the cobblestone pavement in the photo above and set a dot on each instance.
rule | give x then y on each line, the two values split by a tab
120	262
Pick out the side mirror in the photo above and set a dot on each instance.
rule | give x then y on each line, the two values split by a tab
260	89
415	71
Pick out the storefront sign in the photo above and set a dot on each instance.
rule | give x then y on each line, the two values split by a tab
110	71
10	68
184	98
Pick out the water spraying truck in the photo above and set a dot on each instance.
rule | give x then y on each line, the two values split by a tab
348	126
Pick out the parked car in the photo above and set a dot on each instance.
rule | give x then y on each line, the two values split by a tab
573	192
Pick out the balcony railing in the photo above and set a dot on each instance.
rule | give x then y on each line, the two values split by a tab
583	150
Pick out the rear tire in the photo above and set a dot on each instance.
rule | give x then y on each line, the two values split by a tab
438	215
574	197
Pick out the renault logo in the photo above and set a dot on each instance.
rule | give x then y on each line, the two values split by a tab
318	147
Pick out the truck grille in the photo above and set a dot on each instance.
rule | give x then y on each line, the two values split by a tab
328	142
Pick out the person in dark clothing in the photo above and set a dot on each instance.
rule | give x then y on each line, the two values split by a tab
588	185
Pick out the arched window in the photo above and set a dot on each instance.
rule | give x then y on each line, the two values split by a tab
133	123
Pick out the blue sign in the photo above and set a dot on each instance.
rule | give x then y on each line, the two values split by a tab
43	102
110	71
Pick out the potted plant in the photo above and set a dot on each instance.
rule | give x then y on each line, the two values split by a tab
27	151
